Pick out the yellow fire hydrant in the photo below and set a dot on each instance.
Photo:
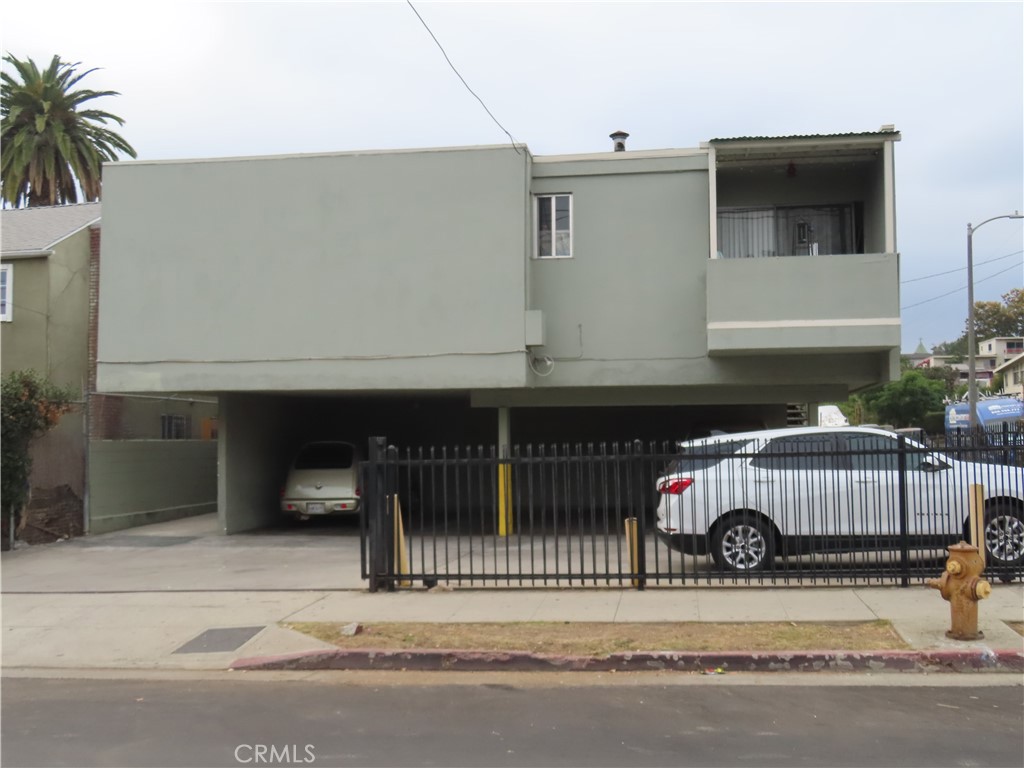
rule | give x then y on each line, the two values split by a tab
963	587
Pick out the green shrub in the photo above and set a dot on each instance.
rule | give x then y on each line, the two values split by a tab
29	407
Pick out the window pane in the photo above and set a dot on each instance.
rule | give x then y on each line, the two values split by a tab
543	226
562	244
562	213
3	292
883	456
804	452
746	232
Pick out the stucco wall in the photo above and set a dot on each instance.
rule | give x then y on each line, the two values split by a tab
629	307
49	329
798	303
23	340
351	271
134	482
256	440
67	329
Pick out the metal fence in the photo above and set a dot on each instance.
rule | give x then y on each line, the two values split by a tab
822	509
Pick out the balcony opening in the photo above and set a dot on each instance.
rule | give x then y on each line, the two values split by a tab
804	230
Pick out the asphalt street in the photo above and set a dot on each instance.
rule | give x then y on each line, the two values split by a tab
391	721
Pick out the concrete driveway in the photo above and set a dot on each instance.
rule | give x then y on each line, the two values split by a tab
191	554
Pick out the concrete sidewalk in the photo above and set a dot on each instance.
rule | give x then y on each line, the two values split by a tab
206	602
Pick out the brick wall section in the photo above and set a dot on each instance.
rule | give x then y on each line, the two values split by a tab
104	411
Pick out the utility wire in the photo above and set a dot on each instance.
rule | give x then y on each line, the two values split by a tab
443	53
960	269
961	288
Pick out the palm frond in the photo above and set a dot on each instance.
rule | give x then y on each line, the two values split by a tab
51	147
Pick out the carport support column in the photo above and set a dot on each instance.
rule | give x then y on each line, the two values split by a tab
505	523
812	415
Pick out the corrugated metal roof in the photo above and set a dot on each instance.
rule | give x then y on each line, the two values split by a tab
856	135
41	228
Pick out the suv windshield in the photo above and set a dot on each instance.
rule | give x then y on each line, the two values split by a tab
324	456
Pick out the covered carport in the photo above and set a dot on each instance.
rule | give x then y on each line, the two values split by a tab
260	433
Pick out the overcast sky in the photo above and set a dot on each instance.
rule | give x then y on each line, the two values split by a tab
205	79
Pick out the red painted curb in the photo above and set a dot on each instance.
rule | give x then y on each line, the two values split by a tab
726	661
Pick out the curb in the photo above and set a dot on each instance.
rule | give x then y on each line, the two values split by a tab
655	661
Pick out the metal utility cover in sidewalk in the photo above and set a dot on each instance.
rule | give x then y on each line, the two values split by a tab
220	640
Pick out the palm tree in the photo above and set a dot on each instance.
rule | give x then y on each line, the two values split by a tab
48	143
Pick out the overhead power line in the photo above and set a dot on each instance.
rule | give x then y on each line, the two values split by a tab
957	290
962	268
443	53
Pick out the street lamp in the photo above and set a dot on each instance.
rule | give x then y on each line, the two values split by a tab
972	376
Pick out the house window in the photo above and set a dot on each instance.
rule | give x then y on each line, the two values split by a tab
1016	346
174	426
788	231
554	227
6	293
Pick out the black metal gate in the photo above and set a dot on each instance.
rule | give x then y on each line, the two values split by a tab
586	515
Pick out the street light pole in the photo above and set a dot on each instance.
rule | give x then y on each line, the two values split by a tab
972	351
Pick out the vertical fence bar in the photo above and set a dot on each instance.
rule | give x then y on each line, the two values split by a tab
390	525
904	512
376	512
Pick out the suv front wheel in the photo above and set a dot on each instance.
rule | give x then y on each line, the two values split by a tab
743	544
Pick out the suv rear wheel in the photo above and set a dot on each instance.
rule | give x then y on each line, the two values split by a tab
743	544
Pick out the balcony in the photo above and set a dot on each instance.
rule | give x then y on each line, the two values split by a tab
808	304
804	257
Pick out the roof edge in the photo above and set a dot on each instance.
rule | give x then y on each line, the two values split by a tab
887	135
27	253
518	147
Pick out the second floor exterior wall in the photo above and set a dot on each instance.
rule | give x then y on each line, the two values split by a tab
628	307
356	271
576	279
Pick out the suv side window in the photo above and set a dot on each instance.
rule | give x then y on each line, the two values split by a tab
696	458
798	452
880	453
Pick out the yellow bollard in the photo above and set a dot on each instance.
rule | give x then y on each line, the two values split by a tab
401	552
631	545
505	525
976	505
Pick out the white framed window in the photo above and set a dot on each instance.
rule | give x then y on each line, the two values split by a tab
6	292
553	229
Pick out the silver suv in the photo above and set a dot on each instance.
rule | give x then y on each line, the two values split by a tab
749	498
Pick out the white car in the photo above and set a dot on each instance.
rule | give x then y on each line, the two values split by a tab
323	480
751	497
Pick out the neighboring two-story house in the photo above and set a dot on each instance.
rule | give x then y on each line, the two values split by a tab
1002	348
1012	372
992	355
483	295
44	302
49	279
